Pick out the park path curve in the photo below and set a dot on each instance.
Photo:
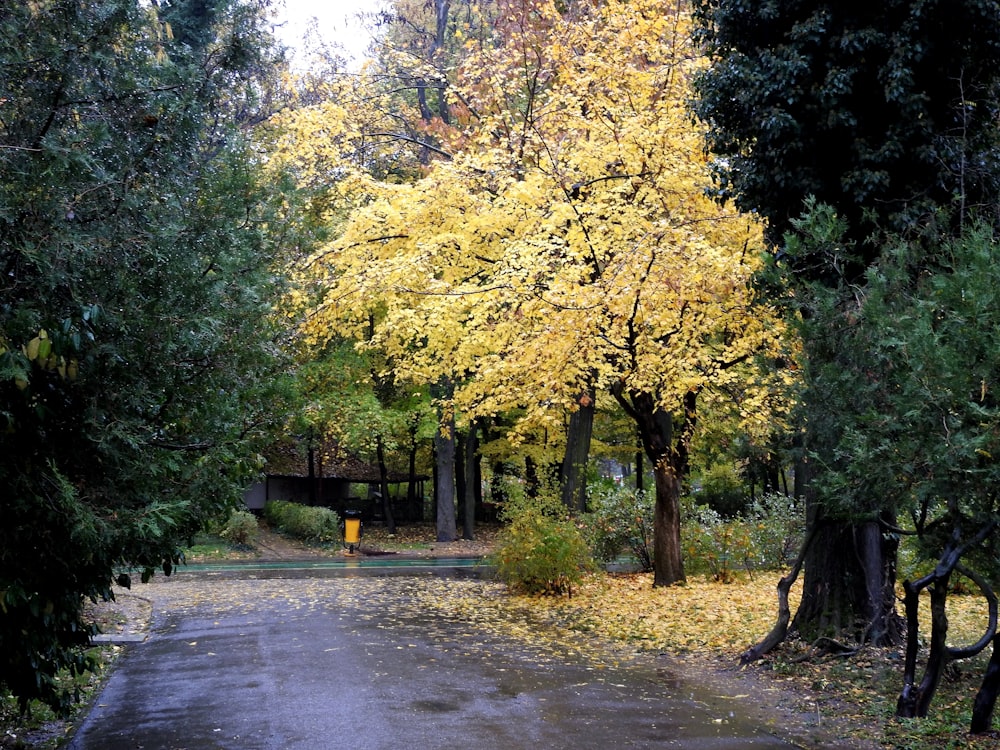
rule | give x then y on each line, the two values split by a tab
386	662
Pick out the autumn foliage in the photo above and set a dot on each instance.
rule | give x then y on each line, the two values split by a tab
560	241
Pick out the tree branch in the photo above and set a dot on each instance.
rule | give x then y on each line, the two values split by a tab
410	139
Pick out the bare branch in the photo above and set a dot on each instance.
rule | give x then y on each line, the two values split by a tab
409	139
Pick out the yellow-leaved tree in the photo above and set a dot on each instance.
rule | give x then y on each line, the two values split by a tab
567	246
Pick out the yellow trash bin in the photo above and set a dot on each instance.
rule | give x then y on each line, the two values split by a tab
352	530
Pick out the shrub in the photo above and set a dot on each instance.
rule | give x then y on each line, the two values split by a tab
309	523
621	519
762	538
540	550
778	529
716	545
241	528
722	490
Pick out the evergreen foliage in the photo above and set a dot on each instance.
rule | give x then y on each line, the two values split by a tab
869	119
886	110
916	390
918	428
136	280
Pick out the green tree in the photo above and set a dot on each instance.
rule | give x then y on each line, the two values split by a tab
350	396
886	110
136	342
915	383
887	113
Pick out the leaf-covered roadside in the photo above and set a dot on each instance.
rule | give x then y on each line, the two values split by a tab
702	627
708	624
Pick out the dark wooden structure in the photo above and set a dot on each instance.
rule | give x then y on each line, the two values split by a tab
329	476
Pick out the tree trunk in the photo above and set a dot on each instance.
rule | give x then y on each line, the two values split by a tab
414	510
313	479
937	658
445	440
498	487
850	577
476	470
780	629
442	9
668	562
532	484
669	454
915	701
573	475
460	478
986	698
383	475
849	584
640	470
444	445
435	465
469	498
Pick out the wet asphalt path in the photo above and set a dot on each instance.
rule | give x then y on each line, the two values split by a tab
306	663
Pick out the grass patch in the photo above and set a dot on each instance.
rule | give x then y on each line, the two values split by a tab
213	547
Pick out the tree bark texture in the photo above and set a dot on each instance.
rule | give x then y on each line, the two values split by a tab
442	9
460	477
668	562
383	485
986	698
640	470
668	451
470	464
574	467
414	505
849	583
780	629
444	441
444	450
915	700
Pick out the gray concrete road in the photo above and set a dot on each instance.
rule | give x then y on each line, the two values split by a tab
348	662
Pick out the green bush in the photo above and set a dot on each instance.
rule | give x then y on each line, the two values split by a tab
621	520
241	528
540	550
722	490
779	523
762	538
309	523
717	546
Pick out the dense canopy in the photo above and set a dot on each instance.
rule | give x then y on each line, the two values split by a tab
135	276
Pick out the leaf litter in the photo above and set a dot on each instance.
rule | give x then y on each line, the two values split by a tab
701	627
